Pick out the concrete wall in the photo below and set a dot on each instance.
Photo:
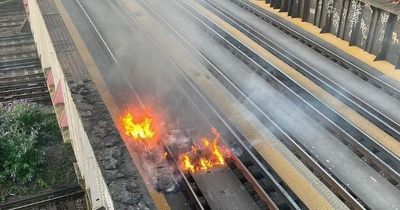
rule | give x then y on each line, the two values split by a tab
67	112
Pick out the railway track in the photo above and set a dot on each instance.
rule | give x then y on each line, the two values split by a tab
268	187
354	139
312	162
10	23
18	63
24	82
20	38
13	19
17	48
252	171
16	44
40	97
5	13
8	75
21	77
21	87
18	55
249	167
59	199
262	198
36	89
347	132
382	120
388	87
291	143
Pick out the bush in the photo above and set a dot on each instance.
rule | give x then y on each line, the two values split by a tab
24	128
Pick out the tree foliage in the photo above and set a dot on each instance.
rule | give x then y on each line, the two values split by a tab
24	128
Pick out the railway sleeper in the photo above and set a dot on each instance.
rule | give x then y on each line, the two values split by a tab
241	99
318	48
19	73
28	42
365	109
252	185
244	55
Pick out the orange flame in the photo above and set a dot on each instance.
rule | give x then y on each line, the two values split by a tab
139	131
204	156
187	163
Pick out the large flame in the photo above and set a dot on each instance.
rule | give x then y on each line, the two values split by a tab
139	131
204	155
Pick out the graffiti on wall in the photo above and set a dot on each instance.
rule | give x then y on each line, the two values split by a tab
344	15
329	7
356	8
384	19
395	34
335	19
395	38
364	31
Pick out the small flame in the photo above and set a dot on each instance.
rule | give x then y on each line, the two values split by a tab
187	163
204	156
139	131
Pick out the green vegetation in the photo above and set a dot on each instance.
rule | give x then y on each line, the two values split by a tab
24	128
32	155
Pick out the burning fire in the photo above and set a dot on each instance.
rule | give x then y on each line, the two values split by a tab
205	155
139	130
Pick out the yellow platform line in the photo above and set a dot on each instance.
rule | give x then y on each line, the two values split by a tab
158	198
382	66
88	60
369	128
295	180
311	197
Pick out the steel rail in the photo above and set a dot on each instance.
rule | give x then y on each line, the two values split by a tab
31	62
21	67
17	55
239	141
27	82
264	197
34	90
44	199
290	141
186	180
189	186
340	60
19	77
193	194
15	37
25	96
30	99
380	119
332	121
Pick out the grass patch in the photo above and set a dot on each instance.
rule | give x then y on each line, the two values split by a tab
33	157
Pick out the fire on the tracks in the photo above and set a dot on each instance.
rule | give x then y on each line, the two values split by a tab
205	154
164	147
